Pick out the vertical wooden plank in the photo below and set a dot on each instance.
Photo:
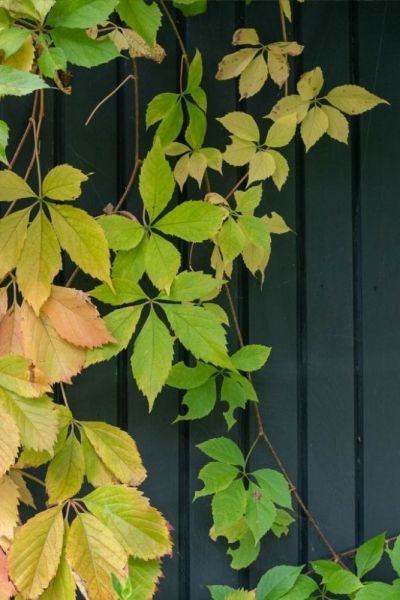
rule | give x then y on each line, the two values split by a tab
272	312
328	296
379	59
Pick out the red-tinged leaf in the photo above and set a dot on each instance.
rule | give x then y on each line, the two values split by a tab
11	334
7	590
58	359
75	318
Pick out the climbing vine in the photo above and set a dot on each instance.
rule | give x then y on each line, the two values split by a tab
92	528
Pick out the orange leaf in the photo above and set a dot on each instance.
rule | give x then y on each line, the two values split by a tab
75	318
58	359
11	334
7	590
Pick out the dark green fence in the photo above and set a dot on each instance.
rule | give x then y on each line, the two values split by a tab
329	306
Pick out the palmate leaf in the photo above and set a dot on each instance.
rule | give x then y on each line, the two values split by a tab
223	450
94	554
251	357
117	450
192	221
139	528
65	473
277	582
260	512
62	586
162	261
13	187
24	57
80	14
17	83
144	576
142	17
369	554
96	471
36	551
13	230
39	263
353	99
63	182
152	357
18	375
228	506
156	182
121	232
199	400
81	50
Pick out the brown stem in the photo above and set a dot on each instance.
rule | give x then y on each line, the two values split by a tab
176	31
263	434
237	186
37	126
33	478
285	38
26	132
106	98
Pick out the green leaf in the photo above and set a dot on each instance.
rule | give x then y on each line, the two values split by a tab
94	554
251	357
81	50
64	476
170	127
36	551
160	106
325	568
195	74
191	8
144	576
12	39
233	393
230	239
275	486
200	332
52	60
216	477
200	97
196	130
241	125
138	527
186	378
229	505
255	231
156	181
144	18
62	587
343	582
124	291
80	14
39	262
219	592
12	186
248	200
117	450
277	581
302	590
193	285
121	232
83	238
313	127
353	99
13	230
260	513
246	552
96	471
223	450
369	554
377	591
130	264
200	401
37	421
63	182
121	324
162	261
394	555
152	357
4	134
192	221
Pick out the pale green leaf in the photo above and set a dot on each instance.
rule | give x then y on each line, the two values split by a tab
94	554
62	586
234	394
275	223
80	14
121	324
81	50
96	471
156	182
144	18
241	125
302	590
230	239
216	477
255	231
36	551
117	450
124	291
63	183
4	135
310	84
193	285
228	505
313	127
239	152
196	129
11	40
186	378
83	238
338	126
262	165
12	186
65	473
139	528
275	486
213	157
195	74
248	200
191	8
246	552
192	221
219	592
251	357
394	555
170	127
377	591
160	106
14	82
52	60
260	512
292	104
199	401
282	131
162	261
223	450
197	166
353	99
152	357
144	576
369	554
13	230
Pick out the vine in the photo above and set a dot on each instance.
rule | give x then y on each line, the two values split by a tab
108	542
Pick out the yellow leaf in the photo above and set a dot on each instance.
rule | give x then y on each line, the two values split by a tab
289	105
13	187
181	170
256	259
245	36
276	223
282	131
75	318
353	99
241	125
57	358
13	230
117	450
36	551
234	64
65	473
84	240
94	554
24	493
286	8
63	183
278	66
39	263
138	47
3	301
262	166
9	499
11	333
18	375
313	127
281	172
253	77
239	152
62	586
23	58
96	471
310	84
338	127
138	527
197	166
